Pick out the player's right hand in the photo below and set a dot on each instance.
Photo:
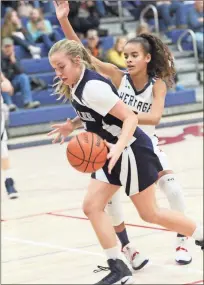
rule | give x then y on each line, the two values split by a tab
62	131
61	8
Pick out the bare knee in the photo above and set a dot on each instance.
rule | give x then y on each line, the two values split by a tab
150	216
90	208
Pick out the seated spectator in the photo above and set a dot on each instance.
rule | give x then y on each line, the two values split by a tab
41	30
100	8
94	44
24	9
135	8
167	9
14	29
44	5
195	21
111	7
116	55
5	5
82	25
13	71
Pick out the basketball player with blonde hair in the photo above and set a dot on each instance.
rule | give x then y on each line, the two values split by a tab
150	71
131	161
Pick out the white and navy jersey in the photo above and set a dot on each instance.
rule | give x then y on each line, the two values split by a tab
139	101
93	97
138	166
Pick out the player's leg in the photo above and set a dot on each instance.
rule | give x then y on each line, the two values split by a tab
97	197
173	191
5	163
169	185
9	182
145	203
139	181
115	210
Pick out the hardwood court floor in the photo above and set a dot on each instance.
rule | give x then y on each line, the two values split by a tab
46	238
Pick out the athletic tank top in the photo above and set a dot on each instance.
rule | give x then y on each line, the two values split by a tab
139	101
92	98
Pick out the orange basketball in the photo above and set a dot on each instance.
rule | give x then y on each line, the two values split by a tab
87	152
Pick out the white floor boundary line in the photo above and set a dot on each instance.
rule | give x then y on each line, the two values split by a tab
48	245
85	252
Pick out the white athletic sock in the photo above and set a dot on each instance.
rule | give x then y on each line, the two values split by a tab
112	253
198	233
173	192
8	173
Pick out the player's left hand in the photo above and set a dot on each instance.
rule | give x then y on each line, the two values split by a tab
61	8
113	155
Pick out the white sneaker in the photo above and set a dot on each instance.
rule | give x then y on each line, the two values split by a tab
182	255
35	52
36	56
136	260
34	49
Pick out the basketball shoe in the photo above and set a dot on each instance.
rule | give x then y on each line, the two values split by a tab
12	193
182	255
200	243
119	273
135	259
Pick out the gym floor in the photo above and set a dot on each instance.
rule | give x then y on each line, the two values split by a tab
46	238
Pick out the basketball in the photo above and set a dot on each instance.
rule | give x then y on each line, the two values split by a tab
87	152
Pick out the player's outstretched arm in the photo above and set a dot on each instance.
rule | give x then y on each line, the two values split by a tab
154	116
130	121
107	69
65	129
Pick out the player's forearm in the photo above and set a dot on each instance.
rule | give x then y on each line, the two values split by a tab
128	129
77	123
148	119
68	30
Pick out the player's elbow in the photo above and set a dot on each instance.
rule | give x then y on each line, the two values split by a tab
156	120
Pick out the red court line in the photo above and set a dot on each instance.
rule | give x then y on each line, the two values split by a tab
131	225
39	214
196	282
24	217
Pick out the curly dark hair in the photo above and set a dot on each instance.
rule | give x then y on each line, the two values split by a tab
162	62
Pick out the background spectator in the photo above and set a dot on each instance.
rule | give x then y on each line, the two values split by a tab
94	44
116	55
100	8
111	7
24	8
172	13
195	21
42	4
82	25
143	28
41	30
14	29
135	7
13	71
5	5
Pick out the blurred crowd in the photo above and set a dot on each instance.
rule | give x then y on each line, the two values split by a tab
27	23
